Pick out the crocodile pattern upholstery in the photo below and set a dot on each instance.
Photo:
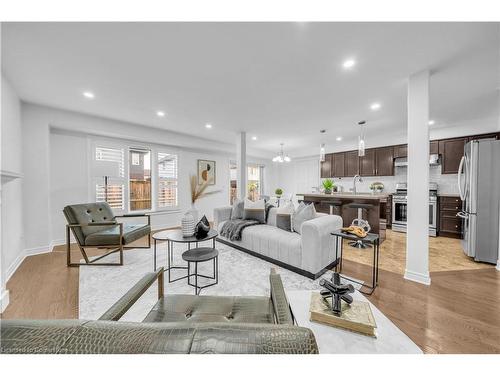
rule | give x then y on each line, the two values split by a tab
190	308
121	306
281	307
104	337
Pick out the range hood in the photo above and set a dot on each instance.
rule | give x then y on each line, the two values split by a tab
403	162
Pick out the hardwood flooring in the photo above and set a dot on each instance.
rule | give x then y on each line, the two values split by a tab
445	254
458	313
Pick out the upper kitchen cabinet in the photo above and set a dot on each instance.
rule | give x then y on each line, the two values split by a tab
351	163
338	164
326	166
367	164
451	151
384	161
400	151
434	147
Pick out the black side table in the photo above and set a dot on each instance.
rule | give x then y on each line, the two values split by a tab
175	236
370	238
199	255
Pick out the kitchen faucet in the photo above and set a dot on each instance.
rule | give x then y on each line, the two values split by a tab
356	178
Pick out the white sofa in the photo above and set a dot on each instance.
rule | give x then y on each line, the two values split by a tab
310	253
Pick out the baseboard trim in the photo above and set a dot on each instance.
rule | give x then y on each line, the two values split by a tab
417	277
15	265
498	266
4	300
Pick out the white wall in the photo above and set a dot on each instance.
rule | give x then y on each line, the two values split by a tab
60	145
11	192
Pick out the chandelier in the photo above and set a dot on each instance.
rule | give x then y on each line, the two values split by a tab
281	157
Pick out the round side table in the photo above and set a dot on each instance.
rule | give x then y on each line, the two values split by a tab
175	236
200	255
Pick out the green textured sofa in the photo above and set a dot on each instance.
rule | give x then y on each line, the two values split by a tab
94	225
176	324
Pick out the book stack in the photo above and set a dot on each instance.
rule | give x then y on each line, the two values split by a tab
356	317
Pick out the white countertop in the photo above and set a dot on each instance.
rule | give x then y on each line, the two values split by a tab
347	195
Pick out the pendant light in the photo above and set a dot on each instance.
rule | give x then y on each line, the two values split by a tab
361	139
322	148
281	157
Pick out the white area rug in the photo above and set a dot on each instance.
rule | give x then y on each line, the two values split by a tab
239	274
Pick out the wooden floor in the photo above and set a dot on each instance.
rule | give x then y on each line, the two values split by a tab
445	254
458	313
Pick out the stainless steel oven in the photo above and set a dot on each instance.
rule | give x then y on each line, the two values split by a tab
400	208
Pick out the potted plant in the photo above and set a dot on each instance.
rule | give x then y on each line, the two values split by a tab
278	192
328	185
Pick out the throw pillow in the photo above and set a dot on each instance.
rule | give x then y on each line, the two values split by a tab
237	211
255	210
284	217
307	213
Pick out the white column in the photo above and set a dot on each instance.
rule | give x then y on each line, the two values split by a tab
417	239
241	164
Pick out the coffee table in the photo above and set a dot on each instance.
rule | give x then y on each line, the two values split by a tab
200	255
175	236
331	340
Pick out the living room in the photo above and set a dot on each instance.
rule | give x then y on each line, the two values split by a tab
231	179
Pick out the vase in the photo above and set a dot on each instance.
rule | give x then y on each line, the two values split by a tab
188	224
194	212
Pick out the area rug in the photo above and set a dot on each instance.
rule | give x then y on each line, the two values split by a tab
239	274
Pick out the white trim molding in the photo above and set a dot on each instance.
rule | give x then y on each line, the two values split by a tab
4	300
417	277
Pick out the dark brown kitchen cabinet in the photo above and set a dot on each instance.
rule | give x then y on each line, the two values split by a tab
338	164
326	166
434	147
367	163
351	163
401	151
451	151
449	224
384	161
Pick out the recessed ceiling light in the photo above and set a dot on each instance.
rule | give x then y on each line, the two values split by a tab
208	126
254	138
160	113
89	95
349	63
375	106
338	139
432	122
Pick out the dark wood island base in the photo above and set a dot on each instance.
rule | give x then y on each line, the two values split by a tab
376	215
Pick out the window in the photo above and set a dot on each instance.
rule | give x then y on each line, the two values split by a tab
109	167
140	179
253	182
167	180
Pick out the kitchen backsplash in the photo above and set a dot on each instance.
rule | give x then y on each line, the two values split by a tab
447	183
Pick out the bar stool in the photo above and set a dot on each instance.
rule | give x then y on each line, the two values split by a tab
335	207
360	222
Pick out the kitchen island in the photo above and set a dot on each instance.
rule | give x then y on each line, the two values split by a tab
376	215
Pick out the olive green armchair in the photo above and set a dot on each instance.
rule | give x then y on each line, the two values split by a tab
94	225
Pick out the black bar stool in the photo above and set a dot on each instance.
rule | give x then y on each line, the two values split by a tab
360	222
335	206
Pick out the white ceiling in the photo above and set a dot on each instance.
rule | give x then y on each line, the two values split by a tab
282	82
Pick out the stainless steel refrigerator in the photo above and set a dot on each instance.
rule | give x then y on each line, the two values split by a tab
479	187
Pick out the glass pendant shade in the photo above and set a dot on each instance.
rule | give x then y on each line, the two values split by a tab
322	152
361	146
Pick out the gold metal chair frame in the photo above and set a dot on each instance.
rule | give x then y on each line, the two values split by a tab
114	248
